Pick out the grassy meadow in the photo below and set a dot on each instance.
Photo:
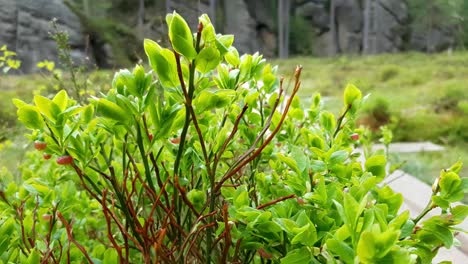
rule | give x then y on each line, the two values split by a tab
420	97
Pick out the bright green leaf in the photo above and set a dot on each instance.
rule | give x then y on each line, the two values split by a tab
61	99
181	37
338	157
110	256
30	117
207	60
351	94
112	111
376	165
327	120
459	213
163	63
342	250
47	107
232	57
297	256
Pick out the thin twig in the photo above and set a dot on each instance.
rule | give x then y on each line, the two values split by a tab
109	226
227	234
276	201
71	239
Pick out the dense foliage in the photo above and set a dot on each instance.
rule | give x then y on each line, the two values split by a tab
205	158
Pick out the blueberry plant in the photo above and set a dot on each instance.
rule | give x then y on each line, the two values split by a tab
209	157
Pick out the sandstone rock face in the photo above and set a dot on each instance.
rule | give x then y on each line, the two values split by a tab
25	27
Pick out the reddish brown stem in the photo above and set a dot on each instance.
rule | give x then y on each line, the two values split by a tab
105	210
276	201
71	239
184	196
255	154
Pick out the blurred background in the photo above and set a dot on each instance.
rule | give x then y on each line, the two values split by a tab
109	32
410	55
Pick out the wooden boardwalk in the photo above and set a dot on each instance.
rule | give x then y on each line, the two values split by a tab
417	194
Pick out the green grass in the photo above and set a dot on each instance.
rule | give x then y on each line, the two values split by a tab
385	75
420	94
426	166
424	93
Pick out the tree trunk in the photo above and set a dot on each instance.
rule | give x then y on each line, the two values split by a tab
283	28
212	12
365	34
287	8
86	7
141	17
429	47
333	31
168	6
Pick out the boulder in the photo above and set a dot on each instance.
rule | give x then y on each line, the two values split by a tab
25	27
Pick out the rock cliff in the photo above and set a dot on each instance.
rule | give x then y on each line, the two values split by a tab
354	27
25	27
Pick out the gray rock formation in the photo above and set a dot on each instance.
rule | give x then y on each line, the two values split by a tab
238	21
438	38
263	33
315	12
388	22
25	26
349	26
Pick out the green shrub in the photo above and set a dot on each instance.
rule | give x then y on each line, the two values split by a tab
376	113
205	159
409	124
302	36
389	72
452	94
